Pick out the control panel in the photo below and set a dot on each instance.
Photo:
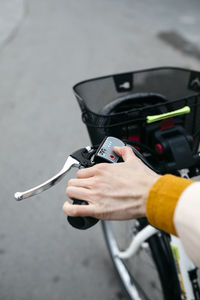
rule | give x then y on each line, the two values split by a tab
105	151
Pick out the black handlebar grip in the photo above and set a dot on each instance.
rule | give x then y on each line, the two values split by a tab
81	222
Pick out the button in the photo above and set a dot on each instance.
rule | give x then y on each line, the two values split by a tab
112	156
159	149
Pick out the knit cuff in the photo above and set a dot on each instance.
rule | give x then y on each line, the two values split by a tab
162	200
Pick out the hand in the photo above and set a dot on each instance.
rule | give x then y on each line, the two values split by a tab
113	191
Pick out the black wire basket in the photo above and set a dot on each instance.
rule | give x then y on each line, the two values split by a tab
118	105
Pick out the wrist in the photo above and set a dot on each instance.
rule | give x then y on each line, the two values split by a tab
162	200
150	183
146	188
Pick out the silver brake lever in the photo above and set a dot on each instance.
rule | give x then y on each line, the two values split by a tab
70	162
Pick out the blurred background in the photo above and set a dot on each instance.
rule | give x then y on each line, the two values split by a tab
47	46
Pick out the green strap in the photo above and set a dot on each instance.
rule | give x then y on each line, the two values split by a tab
178	112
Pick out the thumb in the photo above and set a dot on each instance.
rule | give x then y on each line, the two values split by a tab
126	153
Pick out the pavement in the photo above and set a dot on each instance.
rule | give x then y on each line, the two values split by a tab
11	14
45	48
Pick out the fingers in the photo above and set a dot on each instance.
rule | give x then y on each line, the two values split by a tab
126	153
79	193
82	182
78	210
86	173
92	171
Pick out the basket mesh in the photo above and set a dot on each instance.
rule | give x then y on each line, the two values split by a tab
170	89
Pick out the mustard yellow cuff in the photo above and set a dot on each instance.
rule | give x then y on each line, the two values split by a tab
162	200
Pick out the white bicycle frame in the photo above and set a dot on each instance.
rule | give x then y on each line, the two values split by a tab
182	261
183	265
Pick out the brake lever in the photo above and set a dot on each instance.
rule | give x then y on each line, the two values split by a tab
76	159
80	158
70	162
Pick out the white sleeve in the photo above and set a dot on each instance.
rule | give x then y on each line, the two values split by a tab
187	221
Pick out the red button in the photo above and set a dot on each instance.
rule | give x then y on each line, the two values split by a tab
112	156
159	149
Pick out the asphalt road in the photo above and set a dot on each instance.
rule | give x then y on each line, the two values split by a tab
45	48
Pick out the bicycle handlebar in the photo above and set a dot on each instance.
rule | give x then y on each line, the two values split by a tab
86	157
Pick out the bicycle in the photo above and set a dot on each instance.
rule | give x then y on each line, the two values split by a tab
140	109
150	264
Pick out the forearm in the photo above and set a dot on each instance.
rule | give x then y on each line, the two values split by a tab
187	221
173	205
